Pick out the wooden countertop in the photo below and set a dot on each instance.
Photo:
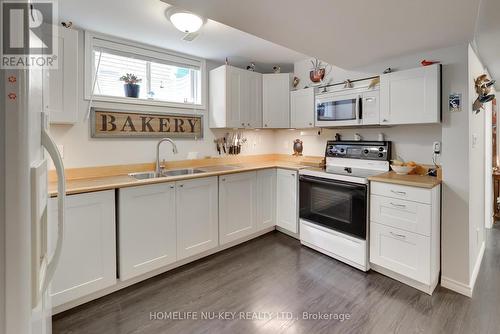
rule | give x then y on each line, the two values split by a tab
89	184
421	181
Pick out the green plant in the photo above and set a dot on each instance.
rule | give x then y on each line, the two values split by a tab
130	78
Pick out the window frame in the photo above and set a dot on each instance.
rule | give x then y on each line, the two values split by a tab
96	40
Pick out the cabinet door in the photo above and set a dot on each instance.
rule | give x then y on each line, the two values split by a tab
266	199
146	228
255	100
237	198
234	88
286	200
61	84
276	100
88	257
370	105
411	96
302	108
197	216
403	252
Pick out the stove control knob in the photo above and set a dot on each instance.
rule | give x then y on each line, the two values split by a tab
381	149
380	155
342	150
330	147
366	151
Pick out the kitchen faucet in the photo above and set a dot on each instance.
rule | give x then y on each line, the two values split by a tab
174	149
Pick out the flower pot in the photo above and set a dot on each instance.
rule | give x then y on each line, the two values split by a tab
317	75
131	90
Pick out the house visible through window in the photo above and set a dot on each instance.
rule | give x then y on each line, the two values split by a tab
166	77
159	81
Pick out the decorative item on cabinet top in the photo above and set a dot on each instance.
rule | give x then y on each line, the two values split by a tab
483	89
106	123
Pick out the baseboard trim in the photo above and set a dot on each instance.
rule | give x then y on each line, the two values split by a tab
477	267
456	286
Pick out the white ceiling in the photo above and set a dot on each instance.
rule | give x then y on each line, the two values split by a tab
348	33
488	37
144	21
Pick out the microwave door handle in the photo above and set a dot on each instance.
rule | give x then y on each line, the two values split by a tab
360	108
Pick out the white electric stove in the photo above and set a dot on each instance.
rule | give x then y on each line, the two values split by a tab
334	202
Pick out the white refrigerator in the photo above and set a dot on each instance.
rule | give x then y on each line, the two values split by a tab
26	267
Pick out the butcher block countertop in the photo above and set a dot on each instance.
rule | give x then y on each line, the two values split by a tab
421	181
82	180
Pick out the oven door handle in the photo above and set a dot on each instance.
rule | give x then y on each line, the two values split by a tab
329	182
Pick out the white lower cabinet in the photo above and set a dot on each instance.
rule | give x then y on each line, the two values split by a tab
286	200
405	233
237	206
266	198
197	216
146	229
88	257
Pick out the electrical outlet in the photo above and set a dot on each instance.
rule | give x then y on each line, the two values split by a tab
436	147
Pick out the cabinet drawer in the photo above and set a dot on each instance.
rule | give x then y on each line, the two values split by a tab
403	252
401	192
406	215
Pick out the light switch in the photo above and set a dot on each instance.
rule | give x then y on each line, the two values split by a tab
474	140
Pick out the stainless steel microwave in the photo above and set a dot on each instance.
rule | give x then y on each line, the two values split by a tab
342	108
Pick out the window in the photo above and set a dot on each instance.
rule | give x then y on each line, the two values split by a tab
165	78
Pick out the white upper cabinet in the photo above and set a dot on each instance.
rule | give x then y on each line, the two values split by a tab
88	256
302	108
276	100
286	200
146	229
370	104
235	98
237	206
411	96
197	216
61	84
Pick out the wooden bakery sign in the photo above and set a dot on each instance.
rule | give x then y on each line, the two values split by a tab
126	124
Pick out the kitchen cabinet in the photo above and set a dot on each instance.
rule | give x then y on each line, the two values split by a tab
286	200
235	98
411	96
276	100
370	104
88	256
146	228
266	198
61	85
405	233
237	206
302	108
197	216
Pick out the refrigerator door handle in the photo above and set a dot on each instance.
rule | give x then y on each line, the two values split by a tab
51	148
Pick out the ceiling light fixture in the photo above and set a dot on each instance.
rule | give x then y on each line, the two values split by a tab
185	21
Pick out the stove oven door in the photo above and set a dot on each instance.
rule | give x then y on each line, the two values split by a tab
338	205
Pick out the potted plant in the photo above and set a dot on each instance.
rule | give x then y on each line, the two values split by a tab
131	85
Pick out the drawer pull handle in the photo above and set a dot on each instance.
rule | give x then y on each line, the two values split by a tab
398	192
398	235
398	205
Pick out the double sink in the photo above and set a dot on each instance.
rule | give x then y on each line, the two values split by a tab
180	172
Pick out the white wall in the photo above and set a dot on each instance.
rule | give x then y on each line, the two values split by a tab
477	167
415	143
80	150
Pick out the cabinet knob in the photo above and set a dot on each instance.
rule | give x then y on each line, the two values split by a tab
310	124
265	125
171	187
248	124
384	120
181	185
242	124
223	179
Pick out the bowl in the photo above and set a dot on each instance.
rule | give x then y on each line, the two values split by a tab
402	170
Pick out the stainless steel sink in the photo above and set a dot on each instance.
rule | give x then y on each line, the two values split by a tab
177	172
174	172
143	175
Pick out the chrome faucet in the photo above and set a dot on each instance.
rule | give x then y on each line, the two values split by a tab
174	149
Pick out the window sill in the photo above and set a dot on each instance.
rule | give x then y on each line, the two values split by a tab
155	103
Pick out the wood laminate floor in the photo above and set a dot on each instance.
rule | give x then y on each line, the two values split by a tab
275	274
